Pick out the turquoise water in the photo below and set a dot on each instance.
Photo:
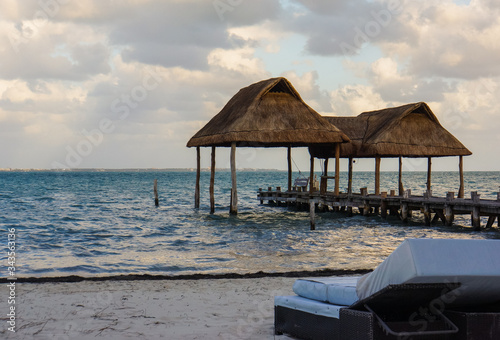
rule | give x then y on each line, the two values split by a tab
105	222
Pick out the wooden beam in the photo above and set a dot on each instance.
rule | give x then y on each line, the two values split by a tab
233	210
289	158
461	171
427	215
377	175
337	168
349	181
212	181
429	170
491	220
440	215
197	186
400	180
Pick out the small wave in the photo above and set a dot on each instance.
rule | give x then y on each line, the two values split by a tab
71	219
45	199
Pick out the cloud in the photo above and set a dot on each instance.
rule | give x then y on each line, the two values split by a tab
159	70
343	28
450	41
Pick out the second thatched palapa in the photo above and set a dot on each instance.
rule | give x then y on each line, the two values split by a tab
410	130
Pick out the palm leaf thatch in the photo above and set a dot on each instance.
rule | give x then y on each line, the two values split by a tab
410	130
269	113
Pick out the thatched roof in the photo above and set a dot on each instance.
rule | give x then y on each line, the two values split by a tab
410	130
268	113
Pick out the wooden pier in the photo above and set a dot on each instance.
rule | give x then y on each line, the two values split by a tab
433	208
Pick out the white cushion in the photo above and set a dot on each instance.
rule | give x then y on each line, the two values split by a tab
473	263
308	306
335	290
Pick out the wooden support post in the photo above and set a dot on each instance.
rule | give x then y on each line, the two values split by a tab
377	175
491	220
475	196
324	179
383	205
233	210
289	159
461	171
476	218
366	208
312	207
349	211
311	176
197	185
449	215
400	180
427	215
212	181
404	212
349	181
440	215
429	170
337	169
260	195
155	189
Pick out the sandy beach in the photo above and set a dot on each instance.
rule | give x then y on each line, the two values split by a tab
142	309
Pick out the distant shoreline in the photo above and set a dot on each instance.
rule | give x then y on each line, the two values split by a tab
202	170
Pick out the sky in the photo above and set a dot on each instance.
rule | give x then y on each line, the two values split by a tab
125	84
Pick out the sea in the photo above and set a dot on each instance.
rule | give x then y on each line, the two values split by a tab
104	223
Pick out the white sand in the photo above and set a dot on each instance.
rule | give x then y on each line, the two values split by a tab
185	309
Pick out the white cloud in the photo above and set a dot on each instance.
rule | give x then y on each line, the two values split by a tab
92	60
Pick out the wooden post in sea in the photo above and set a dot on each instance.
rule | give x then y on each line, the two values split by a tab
377	175
461	170
312	207
449	214
349	181
400	181
197	186
429	166
311	176
212	180
383	205
289	158
337	169
155	190
324	179
233	210
476	213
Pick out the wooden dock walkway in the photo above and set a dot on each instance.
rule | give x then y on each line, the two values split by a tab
433	208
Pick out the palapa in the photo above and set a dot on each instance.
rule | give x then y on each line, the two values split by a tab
411	130
269	113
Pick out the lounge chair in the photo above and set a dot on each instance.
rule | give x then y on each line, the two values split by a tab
426	289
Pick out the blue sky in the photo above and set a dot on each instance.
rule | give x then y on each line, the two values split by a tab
126	84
